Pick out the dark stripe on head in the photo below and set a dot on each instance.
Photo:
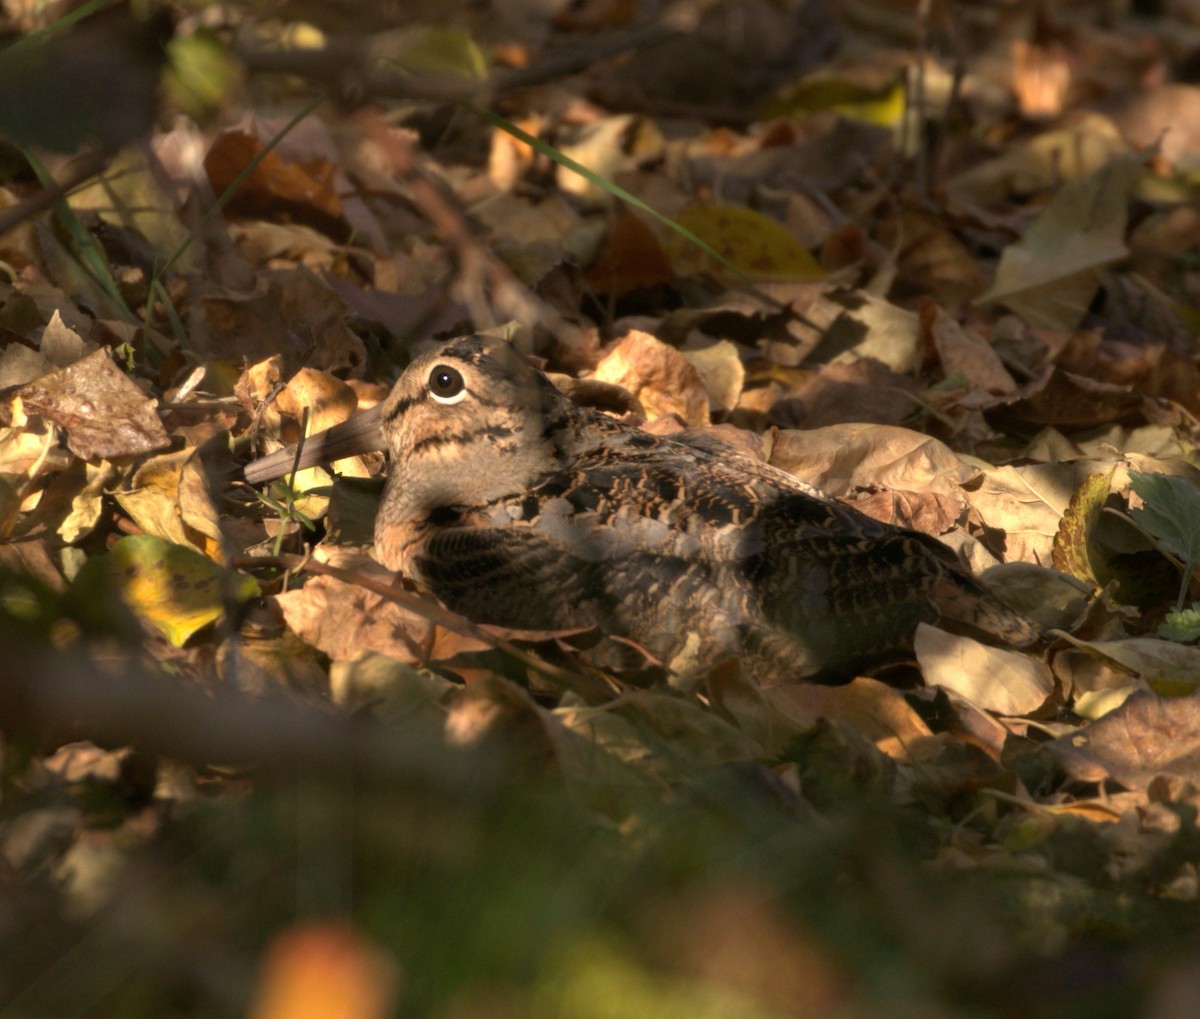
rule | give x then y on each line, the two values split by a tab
461	438
402	405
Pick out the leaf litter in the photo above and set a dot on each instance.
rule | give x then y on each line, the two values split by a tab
195	728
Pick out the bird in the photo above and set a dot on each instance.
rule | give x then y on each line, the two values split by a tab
519	508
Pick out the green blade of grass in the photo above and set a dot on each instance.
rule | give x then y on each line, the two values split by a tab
604	184
61	25
89	253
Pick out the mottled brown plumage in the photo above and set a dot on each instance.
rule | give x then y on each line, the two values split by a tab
519	508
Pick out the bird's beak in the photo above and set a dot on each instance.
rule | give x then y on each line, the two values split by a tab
363	433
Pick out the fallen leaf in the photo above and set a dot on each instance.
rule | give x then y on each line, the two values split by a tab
1145	737
1051	275
275	187
102	412
1006	682
658	375
721	372
342	619
1072	552
173	587
877	710
632	259
848	391
963	351
1022	507
1065	400
871	327
750	241
841	458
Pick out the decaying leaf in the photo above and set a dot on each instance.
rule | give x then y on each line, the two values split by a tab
872	327
1145	737
964	352
1071	552
341	619
839	458
102	412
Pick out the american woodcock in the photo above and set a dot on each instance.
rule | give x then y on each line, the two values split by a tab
519	508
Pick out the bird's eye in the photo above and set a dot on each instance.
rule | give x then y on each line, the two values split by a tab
446	384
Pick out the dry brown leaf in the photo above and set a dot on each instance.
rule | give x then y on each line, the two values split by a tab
931	259
328	400
857	391
342	619
632	259
878	711
1064	400
169	496
930	512
61	345
871	327
841	458
1082	143
1006	682
1138	366
659	376
607	147
1050	276
963	351
275	188
1145	737
103	412
493	710
721	372
287	312
1165	117
1152	660
1022	506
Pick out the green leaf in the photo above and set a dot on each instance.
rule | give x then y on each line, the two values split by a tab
1171	516
1182	626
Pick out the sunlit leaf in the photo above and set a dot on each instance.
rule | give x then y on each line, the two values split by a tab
1071	542
174	588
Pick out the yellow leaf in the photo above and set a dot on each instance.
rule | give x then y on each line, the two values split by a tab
884	107
174	588
748	240
1073	551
